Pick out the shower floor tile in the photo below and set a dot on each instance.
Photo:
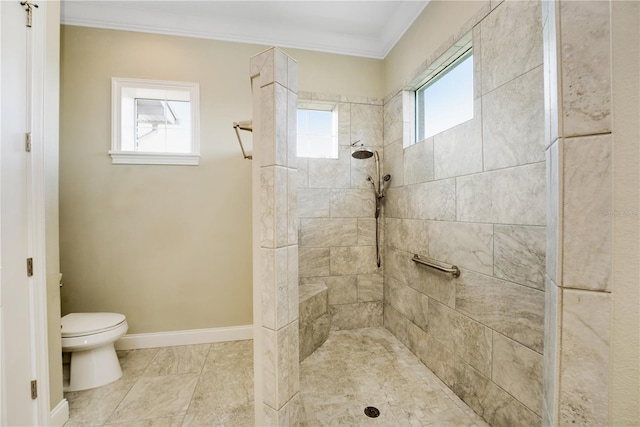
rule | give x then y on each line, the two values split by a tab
212	385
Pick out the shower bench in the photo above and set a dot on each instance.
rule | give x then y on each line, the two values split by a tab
314	317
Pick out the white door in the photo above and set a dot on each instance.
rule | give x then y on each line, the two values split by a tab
18	366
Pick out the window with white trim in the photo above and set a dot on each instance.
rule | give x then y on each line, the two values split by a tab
154	122
444	97
317	130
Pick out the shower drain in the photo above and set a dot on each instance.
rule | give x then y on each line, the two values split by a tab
371	412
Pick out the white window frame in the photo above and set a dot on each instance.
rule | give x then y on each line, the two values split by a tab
447	61
120	156
327	107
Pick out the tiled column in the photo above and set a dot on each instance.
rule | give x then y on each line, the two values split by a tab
275	239
577	66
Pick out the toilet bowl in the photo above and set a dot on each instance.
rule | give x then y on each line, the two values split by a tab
90	338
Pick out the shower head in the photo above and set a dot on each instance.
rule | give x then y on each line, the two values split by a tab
362	153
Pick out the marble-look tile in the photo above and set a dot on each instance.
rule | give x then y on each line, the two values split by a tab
394	163
178	360
292	207
274	287
585	31
551	53
288	363
342	289
273	207
352	203
513	310
521	104
292	129
466	245
458	151
409	302
313	262
303	172
175	421
587	213
551	366
468	340
218	393
497	407
370	287
584	360
396	202
314	202
325	232
432	200
554	210
507	196
230	359
234	416
156	397
396	323
353	260
410	235
418	162
344	123
367	231
274	150
313	306
518	370
477	61
430	282
293	282
94	406
134	362
393	119
520	254
411	395
263	65
356	316
366	124
511	42
292	74
331	173
440	360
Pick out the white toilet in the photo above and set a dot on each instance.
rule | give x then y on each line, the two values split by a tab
89	337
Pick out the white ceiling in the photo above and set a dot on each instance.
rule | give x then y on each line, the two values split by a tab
360	28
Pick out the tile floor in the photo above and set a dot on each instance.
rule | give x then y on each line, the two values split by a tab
212	385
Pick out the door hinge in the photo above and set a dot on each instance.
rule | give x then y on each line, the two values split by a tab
29	267
27	142
34	389
28	7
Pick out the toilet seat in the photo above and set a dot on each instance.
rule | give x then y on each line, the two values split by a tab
83	324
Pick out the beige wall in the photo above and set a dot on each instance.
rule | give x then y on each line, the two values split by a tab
624	393
438	23
168	246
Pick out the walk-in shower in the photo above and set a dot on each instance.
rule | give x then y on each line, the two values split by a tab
362	152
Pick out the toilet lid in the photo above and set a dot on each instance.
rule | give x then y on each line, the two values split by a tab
75	324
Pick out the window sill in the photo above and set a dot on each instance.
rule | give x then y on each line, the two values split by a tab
137	158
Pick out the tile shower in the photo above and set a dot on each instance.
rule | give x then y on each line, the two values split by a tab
474	196
336	207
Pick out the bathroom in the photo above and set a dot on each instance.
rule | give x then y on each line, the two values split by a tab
171	246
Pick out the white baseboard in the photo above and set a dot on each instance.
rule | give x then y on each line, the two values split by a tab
188	337
59	414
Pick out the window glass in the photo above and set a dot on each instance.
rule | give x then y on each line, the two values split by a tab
317	133
155	122
446	99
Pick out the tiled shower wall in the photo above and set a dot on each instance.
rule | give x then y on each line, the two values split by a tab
336	206
474	196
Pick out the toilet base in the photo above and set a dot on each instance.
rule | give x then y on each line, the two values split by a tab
94	368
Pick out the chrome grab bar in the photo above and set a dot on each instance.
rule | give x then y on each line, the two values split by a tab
243	125
452	269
